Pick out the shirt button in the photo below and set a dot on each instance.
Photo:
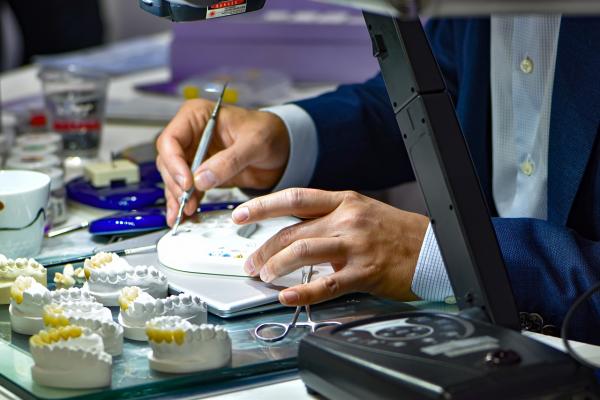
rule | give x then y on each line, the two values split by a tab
526	65
527	167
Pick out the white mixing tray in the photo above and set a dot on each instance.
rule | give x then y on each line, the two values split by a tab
210	243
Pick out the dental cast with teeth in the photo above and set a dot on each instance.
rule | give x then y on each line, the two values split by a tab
138	307
11	269
107	274
179	346
28	298
70	357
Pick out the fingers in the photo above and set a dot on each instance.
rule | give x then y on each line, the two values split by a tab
173	162
225	165
303	252
280	241
342	282
303	203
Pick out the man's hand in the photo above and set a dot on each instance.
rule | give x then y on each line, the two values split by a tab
372	247
249	149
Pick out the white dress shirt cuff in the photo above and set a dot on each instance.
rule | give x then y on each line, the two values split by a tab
304	146
431	279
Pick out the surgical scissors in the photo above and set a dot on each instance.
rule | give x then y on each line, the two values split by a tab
286	328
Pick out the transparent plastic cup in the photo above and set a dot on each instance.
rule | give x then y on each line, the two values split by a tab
75	100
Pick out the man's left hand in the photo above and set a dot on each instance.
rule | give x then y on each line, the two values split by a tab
372	246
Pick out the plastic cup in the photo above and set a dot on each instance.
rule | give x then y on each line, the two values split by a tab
75	99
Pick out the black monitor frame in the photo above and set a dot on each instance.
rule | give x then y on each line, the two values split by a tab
444	169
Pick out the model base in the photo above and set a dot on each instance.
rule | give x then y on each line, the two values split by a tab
24	325
72	379
185	367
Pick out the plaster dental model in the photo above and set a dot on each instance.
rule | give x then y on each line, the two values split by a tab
107	274
210	243
88	315
11	269
28	298
179	346
70	357
138	307
69	277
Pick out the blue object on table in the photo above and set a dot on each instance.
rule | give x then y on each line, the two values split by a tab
116	197
130	222
141	221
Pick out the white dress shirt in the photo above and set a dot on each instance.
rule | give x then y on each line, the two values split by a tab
523	58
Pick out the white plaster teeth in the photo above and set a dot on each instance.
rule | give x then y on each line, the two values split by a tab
138	307
28	299
107	274
70	357
11	269
179	346
110	332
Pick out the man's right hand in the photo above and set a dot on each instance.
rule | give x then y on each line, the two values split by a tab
249	149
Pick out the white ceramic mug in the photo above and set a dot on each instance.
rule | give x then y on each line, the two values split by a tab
23	201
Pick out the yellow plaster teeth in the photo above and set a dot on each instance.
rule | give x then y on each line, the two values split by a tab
19	286
53	335
128	296
179	336
164	335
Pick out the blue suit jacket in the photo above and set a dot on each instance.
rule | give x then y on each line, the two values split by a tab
550	262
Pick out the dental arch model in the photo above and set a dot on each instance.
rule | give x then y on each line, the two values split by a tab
179	346
28	298
11	269
138	307
70	357
107	274
91	315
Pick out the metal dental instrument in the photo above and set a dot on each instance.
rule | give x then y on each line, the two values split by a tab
199	157
286	328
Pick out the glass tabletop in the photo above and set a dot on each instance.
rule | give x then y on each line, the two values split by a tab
132	377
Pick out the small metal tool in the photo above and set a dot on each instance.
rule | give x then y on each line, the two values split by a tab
199	157
286	328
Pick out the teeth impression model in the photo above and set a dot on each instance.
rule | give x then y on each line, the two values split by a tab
179	346
10	270
107	274
28	298
138	307
93	316
68	278
70	357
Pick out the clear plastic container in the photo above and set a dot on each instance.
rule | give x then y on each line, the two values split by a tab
32	144
34	162
75	100
246	87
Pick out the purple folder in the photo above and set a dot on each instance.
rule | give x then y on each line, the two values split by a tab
309	41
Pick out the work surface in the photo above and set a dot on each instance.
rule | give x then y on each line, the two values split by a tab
117	136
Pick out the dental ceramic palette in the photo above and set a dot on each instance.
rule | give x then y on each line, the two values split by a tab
93	316
70	357
11	269
179	346
210	243
28	298
139	307
107	274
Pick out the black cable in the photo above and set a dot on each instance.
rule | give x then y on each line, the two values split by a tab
564	332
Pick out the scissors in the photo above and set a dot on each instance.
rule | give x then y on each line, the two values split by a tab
286	328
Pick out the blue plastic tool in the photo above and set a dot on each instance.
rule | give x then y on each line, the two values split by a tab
133	222
117	197
141	221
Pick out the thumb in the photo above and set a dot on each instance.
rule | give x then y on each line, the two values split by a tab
224	165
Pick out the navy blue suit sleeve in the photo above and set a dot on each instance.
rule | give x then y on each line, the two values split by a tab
549	267
360	146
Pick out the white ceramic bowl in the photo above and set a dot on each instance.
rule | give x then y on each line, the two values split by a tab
23	201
